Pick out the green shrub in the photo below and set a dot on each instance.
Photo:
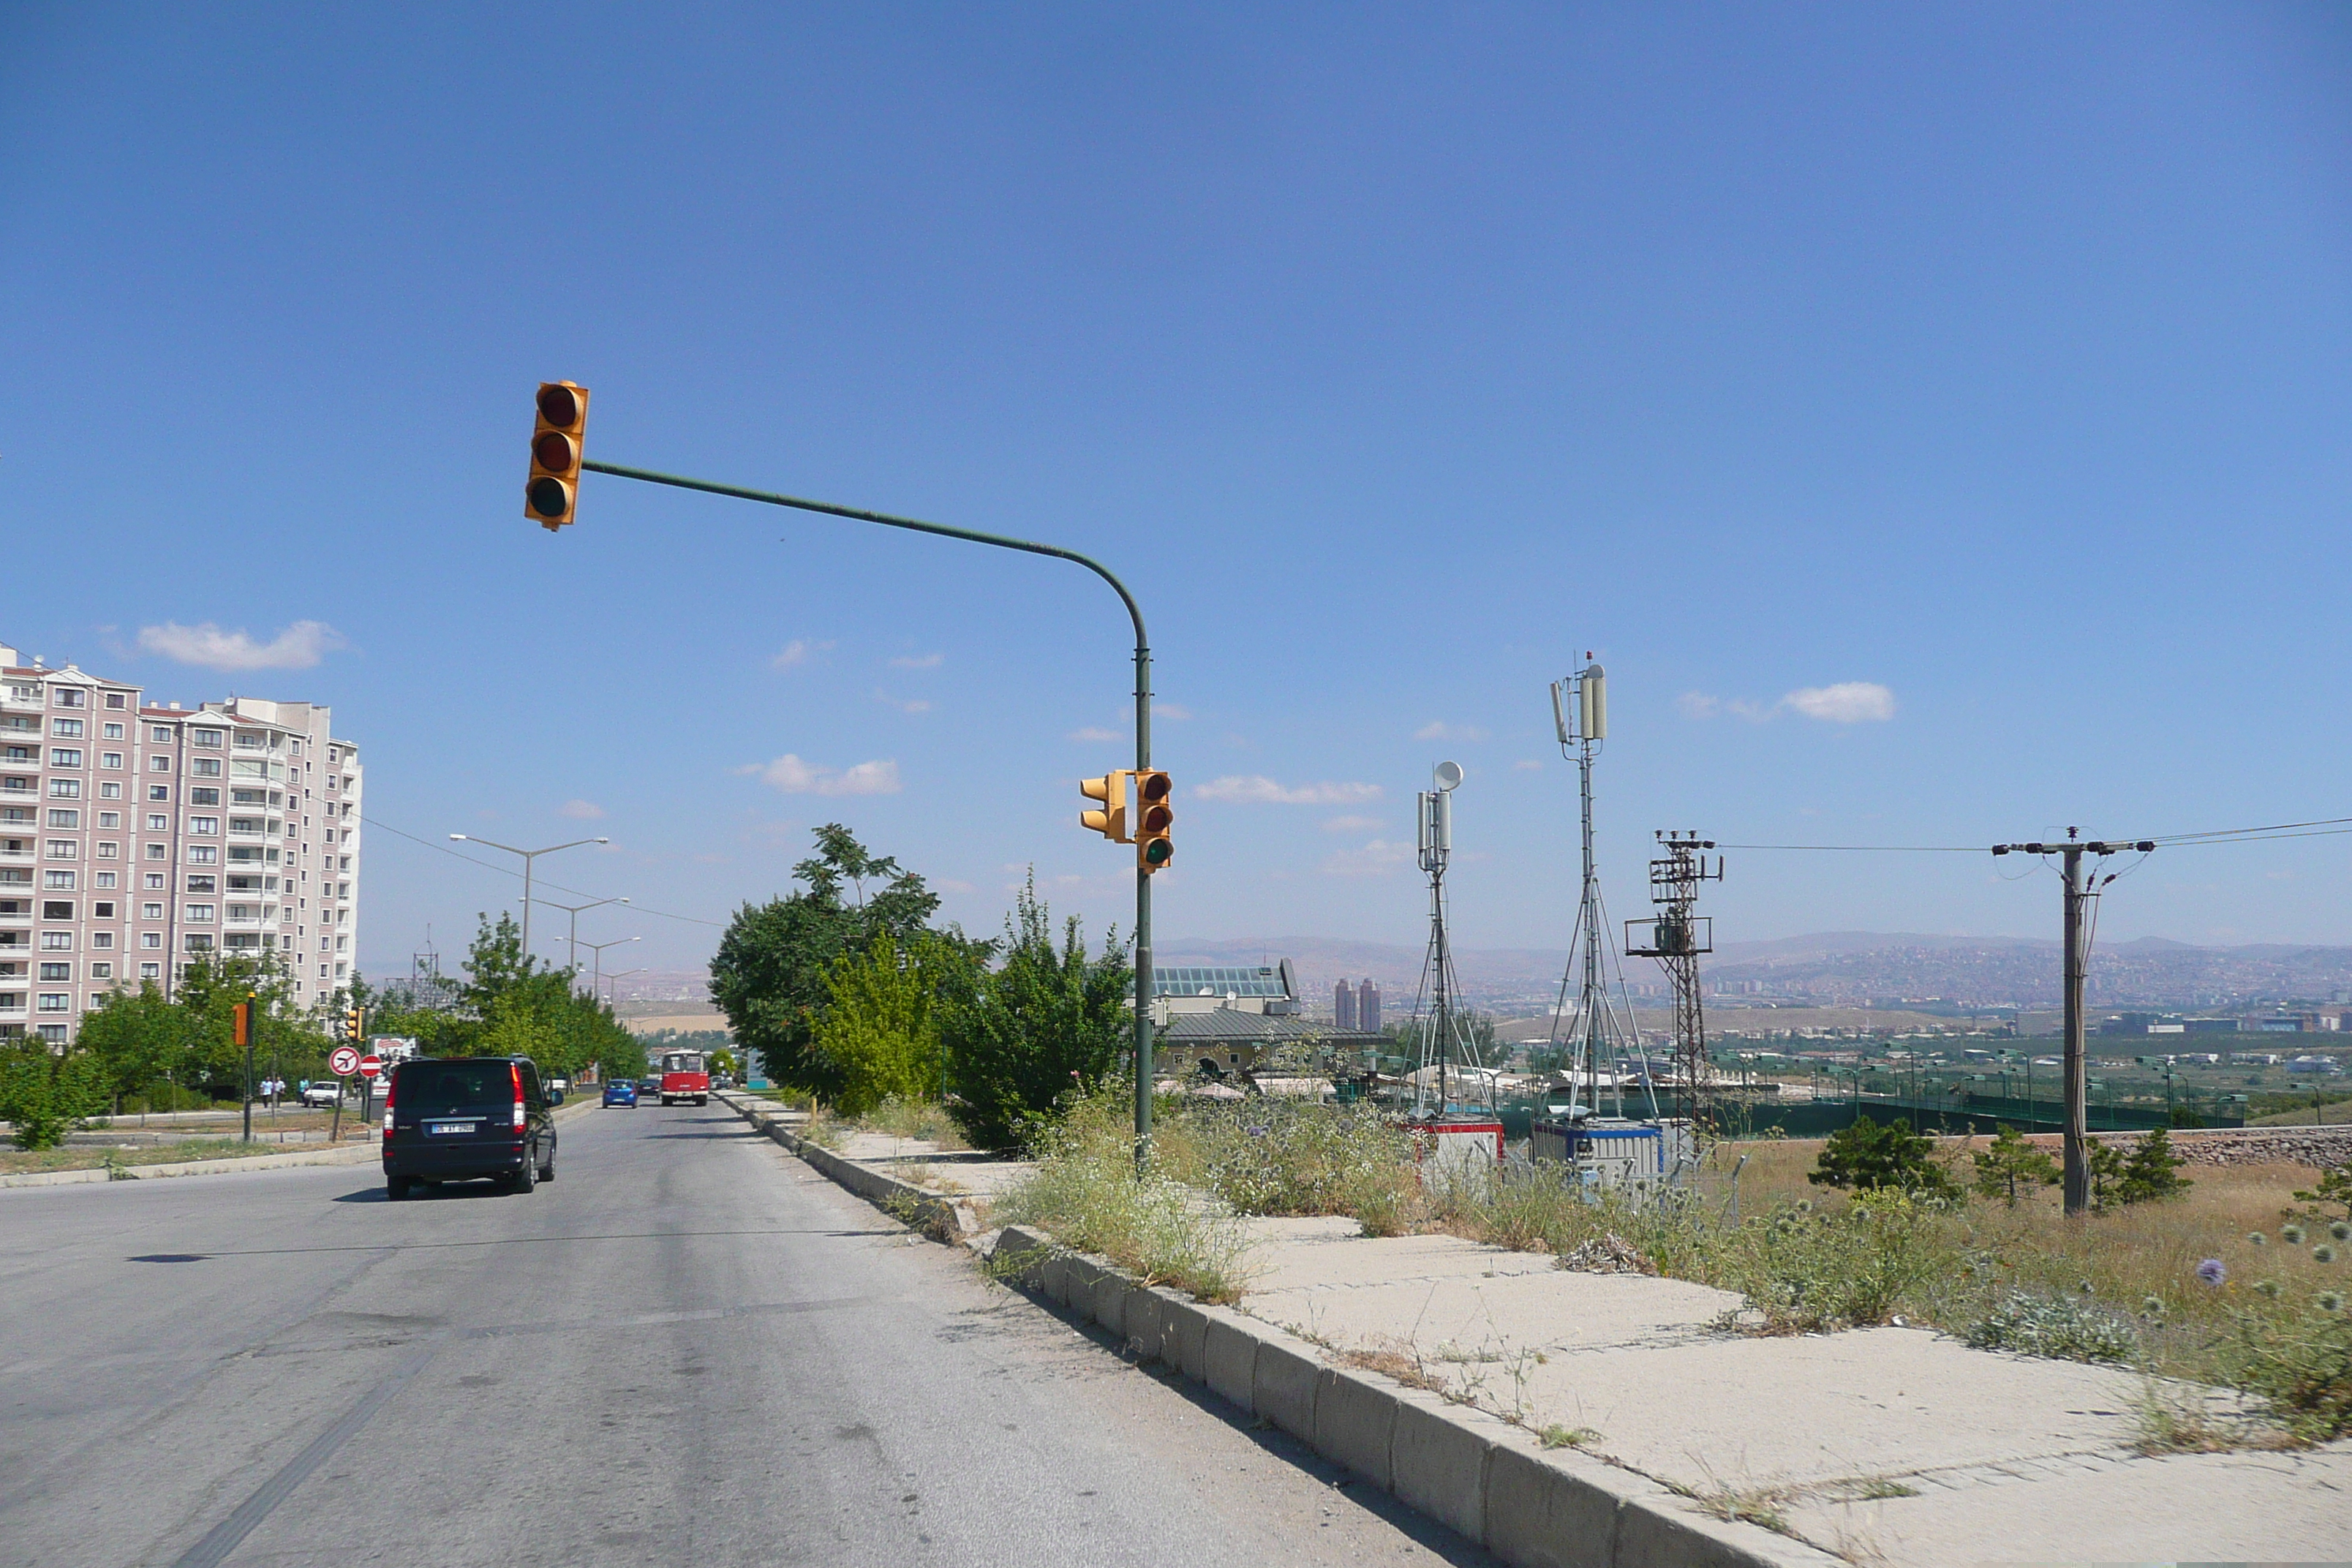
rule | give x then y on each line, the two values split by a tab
1284	1156
2057	1327
2011	1163
2297	1359
2153	1172
1866	1156
44	1093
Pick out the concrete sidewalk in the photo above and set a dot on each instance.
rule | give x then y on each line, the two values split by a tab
1894	1445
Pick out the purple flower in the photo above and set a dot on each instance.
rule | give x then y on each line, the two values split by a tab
2211	1271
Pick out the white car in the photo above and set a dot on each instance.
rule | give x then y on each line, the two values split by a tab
326	1094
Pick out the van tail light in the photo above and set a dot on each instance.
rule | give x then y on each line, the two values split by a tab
520	1122
387	1105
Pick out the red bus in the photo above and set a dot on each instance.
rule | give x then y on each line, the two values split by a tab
685	1077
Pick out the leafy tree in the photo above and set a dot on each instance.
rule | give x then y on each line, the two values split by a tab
879	1033
1047	1022
138	1038
772	975
44	1093
1867	1156
2334	1187
2105	1169
2011	1163
2153	1172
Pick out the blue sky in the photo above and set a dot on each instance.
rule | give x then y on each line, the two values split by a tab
1935	417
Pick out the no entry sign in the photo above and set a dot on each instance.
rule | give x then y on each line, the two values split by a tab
370	1067
344	1062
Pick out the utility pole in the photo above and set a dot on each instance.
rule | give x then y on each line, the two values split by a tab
2078	895
1677	939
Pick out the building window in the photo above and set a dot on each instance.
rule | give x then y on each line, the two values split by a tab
60	817
65	789
112	731
202	854
57	908
159	792
200	914
109	790
56	942
206	767
64	849
65	756
56	1001
199	941
57	972
203	825
161	735
53	1034
151	972
155	884
109	819
101	972
201	796
68	729
67	696
159	763
205	737
116	699
158	823
151	912
110	758
102	939
103	878
101	911
58	880
157	852
151	940
107	849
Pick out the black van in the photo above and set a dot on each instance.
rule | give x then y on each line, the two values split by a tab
449	1119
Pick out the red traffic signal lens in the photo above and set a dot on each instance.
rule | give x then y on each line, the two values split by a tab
554	452
559	406
549	497
1154	786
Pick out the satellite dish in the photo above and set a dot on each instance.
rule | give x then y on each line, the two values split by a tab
1448	774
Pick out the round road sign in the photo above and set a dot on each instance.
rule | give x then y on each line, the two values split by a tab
370	1067
344	1062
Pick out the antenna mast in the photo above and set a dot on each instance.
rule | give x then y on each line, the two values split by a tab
1438	1032
1579	707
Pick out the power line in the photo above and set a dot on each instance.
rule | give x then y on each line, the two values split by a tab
510	871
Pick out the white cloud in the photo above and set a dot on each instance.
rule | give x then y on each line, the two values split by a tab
1377	859
1350	824
1257	789
909	661
585	810
954	885
794	776
1848	702
1444	732
912	705
1170	711
798	652
1093	732
298	646
1697	705
1527	766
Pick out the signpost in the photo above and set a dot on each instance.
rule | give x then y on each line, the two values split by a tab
343	1061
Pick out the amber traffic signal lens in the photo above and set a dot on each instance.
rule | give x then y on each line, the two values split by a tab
548	497
559	406
553	451
1156	818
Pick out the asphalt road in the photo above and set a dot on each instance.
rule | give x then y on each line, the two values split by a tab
687	1349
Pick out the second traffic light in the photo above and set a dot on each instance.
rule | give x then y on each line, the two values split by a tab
1110	819
555	450
1154	816
353	1026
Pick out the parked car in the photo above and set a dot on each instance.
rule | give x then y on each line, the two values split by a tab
325	1092
463	1117
649	1085
621	1091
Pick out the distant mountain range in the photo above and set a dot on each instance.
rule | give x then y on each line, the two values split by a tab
1887	969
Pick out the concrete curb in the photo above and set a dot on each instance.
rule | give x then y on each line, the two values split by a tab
940	1218
352	1154
1490	1481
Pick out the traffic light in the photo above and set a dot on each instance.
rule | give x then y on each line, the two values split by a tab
1153	817
353	1027
1111	820
554	487
241	1024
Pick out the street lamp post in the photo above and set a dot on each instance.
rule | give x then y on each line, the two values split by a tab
574	910
615	981
597	948
528	857
1143	1074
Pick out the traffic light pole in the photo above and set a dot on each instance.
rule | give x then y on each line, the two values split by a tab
1143	1075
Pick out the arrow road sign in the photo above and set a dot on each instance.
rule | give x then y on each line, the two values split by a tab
344	1062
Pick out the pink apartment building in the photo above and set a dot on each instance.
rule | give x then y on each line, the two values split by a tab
134	836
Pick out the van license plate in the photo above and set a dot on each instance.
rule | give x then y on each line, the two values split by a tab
432	1127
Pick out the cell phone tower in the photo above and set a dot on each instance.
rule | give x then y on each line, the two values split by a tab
1600	1034
1677	937
1446	1046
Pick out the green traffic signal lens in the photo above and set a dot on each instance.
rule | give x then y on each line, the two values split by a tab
549	497
1158	851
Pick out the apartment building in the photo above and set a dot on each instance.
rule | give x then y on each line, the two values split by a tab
135	836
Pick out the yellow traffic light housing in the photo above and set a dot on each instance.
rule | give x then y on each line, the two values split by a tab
240	1030
1110	821
1155	814
555	452
353	1030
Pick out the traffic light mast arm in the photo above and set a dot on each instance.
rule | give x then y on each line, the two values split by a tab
1143	1074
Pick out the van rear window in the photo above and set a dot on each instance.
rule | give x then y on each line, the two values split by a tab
453	1086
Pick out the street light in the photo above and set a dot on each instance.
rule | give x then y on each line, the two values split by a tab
615	981
598	949
528	857
574	910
